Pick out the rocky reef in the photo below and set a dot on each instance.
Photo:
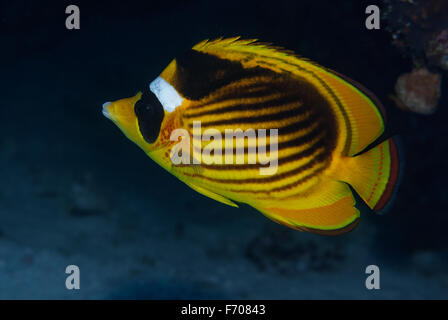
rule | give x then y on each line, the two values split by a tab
420	30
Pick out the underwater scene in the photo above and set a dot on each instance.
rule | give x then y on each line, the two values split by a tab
224	149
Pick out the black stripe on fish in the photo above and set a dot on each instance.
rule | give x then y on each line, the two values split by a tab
235	93
299	125
319	144
316	159
330	92
253	119
275	102
294	142
198	74
285	187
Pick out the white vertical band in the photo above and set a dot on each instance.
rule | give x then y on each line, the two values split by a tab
167	95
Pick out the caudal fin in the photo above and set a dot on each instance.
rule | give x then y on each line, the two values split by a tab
374	174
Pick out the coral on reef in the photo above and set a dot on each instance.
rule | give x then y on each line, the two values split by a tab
437	50
418	91
413	24
420	29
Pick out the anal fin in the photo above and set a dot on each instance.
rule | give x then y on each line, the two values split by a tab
329	210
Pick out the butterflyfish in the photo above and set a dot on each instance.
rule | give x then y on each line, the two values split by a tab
220	110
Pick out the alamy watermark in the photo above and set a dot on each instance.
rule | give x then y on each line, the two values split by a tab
373	20
222	149
73	281
373	280
73	20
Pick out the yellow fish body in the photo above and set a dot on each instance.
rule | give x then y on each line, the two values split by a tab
323	123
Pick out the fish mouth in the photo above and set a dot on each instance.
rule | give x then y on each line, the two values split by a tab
106	111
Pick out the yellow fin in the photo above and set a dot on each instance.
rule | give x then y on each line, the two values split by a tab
212	195
373	174
361	109
329	210
240	49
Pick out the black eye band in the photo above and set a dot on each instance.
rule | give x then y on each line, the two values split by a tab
149	112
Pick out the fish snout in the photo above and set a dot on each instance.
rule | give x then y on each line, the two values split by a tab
107	112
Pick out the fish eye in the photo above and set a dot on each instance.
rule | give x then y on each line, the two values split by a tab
150	113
